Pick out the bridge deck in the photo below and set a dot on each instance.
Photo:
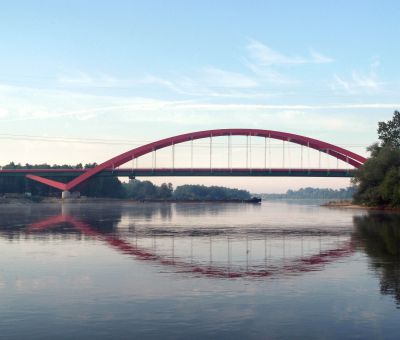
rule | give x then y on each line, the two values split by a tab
183	172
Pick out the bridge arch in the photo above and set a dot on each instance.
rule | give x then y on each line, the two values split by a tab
330	149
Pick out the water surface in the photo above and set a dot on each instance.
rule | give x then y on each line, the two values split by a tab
150	270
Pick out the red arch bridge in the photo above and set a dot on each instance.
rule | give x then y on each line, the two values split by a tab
112	167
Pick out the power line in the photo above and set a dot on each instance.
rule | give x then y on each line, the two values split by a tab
135	142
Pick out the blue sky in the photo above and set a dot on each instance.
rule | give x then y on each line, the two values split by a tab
132	72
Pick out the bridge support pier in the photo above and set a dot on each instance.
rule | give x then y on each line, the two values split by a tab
65	194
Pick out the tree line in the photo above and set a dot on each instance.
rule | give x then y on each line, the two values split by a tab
314	193
112	187
378	180
95	187
146	190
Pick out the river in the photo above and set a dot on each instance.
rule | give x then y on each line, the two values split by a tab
279	270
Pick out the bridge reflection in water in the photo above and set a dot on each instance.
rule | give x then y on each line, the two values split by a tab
226	253
240	253
197	240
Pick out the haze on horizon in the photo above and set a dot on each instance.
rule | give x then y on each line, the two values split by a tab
81	82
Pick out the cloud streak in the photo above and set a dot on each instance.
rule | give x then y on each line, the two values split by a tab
260	68
266	56
359	83
25	103
22	104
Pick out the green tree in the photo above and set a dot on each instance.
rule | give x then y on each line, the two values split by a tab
146	190
213	193
389	132
165	191
378	180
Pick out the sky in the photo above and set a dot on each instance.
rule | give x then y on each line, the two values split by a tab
82	81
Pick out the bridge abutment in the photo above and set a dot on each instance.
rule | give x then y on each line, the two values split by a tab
65	194
70	195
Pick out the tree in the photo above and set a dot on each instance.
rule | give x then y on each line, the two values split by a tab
389	132
145	190
165	191
213	193
378	180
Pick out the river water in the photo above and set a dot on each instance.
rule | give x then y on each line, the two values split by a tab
279	270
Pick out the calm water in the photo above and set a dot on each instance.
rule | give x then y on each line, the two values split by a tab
226	271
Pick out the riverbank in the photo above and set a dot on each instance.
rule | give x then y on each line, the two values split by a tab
38	200
347	204
343	204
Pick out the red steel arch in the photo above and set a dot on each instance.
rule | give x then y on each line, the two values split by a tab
333	150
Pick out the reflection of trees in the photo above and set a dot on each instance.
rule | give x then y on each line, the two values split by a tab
379	236
148	210
213	209
104	218
13	221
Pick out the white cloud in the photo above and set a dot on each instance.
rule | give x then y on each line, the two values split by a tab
366	81
254	107
267	63
270	75
266	56
19	103
319	58
358	82
210	81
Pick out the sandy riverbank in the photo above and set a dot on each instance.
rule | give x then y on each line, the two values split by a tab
346	204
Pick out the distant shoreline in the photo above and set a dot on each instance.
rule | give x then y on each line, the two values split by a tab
44	200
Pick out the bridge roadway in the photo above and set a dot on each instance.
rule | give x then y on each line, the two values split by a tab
182	172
